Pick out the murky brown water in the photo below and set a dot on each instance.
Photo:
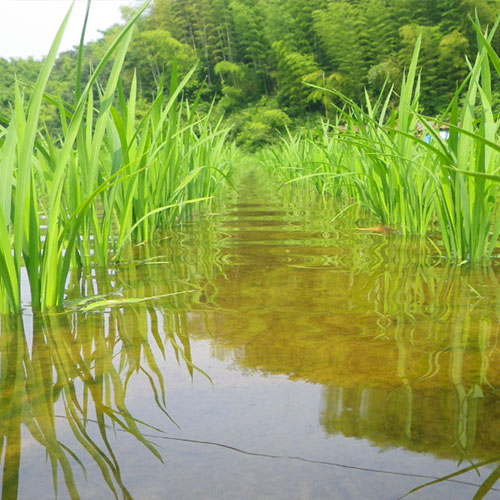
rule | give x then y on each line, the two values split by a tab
279	357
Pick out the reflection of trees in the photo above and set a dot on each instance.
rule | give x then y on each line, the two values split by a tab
445	333
406	346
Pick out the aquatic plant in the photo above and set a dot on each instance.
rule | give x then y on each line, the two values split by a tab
409	182
46	254
108	179
365	160
466	194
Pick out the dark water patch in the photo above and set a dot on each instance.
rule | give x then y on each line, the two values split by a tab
256	213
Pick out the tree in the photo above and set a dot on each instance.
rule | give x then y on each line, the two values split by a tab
293	69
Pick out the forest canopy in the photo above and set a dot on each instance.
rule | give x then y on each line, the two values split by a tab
254	58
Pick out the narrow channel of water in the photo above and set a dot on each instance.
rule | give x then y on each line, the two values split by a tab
277	356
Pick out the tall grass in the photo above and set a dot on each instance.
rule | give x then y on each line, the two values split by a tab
365	160
109	179
407	182
46	256
467	191
315	158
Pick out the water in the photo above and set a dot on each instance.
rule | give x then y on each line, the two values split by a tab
278	356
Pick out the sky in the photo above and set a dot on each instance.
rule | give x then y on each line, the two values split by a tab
28	27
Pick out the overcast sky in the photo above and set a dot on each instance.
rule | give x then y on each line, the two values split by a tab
28	27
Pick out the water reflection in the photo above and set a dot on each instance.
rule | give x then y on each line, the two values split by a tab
403	349
405	346
406	351
78	366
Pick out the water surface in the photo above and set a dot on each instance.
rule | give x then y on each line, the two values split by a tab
279	356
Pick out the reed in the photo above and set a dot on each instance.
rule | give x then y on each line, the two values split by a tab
365	160
393	180
108	180
408	183
46	254
314	157
467	192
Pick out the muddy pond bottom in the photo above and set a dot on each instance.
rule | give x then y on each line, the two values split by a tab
261	353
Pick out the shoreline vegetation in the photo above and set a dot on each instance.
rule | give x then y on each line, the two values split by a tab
379	158
109	178
116	170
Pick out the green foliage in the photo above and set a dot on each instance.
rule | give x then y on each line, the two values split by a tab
361	42
383	74
260	125
106	178
153	53
293	69
410	183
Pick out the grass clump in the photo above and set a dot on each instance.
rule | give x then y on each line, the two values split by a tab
398	165
108	179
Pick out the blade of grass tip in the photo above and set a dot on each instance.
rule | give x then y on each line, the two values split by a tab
108	54
128	422
105	108
81	48
486	43
173	100
179	350
161	404
225	176
103	462
487	485
28	140
407	90
174	84
450	476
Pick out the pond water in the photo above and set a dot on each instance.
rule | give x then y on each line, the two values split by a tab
277	355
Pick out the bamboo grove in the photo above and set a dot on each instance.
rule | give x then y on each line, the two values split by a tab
252	57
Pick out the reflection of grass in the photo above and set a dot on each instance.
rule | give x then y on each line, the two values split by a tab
85	363
486	486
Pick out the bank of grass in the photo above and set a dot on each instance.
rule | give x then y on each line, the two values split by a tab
380	160
107	180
